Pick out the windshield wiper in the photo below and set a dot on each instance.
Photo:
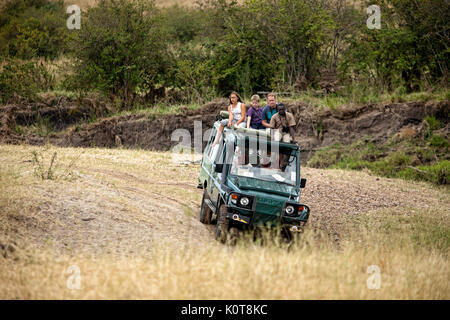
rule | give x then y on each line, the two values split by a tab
282	193
286	183
277	181
244	177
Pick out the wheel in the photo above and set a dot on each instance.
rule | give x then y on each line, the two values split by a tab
286	234
223	224
234	235
205	210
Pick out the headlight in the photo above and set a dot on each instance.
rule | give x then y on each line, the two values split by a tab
290	209
296	211
244	201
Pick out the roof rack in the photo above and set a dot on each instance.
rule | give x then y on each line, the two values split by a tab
247	131
252	132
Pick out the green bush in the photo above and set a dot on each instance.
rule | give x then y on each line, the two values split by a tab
438	173
398	160
264	44
433	122
326	157
194	74
409	49
121	50
438	141
34	28
351	163
23	79
182	24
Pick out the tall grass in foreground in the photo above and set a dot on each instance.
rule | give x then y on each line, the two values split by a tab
313	268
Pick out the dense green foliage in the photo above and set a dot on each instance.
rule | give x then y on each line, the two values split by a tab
410	49
33	28
266	44
24	79
129	49
120	49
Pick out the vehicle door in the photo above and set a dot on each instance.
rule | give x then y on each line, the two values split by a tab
206	160
217	154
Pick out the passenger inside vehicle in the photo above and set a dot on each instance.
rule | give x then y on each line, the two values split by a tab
270	166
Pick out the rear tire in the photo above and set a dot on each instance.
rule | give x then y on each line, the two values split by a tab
223	224
205	210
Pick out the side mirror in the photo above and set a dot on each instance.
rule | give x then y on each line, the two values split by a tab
218	168
302	183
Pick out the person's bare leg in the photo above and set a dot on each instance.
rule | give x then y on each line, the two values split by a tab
219	133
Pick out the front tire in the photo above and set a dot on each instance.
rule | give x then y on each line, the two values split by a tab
223	224
234	235
205	210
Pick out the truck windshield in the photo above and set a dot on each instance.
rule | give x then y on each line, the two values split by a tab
277	166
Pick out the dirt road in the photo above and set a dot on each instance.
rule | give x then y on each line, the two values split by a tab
121	202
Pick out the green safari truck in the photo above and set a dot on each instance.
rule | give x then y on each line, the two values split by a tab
251	181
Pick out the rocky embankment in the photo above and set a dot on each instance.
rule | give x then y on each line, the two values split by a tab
315	129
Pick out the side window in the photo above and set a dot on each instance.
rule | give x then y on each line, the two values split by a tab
216	152
210	141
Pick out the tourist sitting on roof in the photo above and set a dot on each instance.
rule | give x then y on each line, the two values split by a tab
236	115
283	122
269	110
254	115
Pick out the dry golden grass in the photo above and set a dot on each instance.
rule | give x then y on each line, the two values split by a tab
242	272
141	238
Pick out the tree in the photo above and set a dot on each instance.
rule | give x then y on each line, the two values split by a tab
268	44
121	50
411	46
34	28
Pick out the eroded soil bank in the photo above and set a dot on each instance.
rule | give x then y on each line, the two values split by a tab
315	129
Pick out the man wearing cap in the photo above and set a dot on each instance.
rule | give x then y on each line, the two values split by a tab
283	122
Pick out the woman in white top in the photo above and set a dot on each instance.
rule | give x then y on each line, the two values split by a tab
236	115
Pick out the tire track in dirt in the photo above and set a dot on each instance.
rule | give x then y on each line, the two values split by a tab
333	195
133	179
163	199
96	216
130	177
